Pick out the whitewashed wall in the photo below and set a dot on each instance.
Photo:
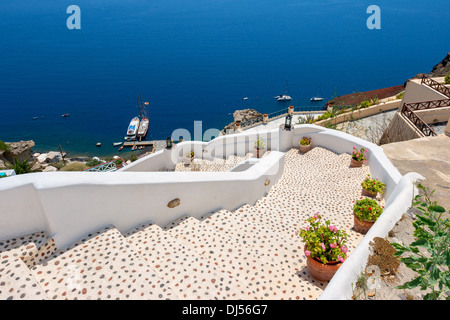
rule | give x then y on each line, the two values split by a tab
69	205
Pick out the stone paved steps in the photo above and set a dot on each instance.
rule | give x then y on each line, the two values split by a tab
190	275
17	255
32	248
16	280
271	246
267	281
100	266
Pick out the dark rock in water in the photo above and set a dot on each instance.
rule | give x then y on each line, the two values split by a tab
441	69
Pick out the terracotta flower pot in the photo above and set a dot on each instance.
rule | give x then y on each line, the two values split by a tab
320	271
258	152
305	149
356	164
361	226
368	193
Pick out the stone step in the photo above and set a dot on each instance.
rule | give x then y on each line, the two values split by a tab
31	249
271	246
102	265
16	280
267	281
190	275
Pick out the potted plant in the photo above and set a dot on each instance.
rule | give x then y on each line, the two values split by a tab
258	149
188	157
365	212
358	157
325	247
305	145
371	187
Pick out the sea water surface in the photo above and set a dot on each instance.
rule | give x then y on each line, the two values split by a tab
194	60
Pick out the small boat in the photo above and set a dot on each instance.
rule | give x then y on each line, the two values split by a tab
35	118
121	148
99	144
134	147
141	147
317	98
115	144
65	115
246	98
285	96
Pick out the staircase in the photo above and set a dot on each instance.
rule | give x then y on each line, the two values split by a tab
250	253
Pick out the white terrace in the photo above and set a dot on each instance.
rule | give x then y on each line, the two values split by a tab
224	232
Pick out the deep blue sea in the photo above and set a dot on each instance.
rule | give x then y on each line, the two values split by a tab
196	60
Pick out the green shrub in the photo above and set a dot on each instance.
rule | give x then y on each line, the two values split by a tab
133	157
367	209
20	167
447	79
305	141
93	163
74	166
400	95
432	231
373	185
365	104
4	146
324	116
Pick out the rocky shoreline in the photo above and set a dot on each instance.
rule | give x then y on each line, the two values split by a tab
54	160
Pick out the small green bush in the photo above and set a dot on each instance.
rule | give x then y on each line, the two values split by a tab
133	157
20	167
400	95
93	163
447	79
365	104
324	116
373	185
4	146
432	234
367	209
74	166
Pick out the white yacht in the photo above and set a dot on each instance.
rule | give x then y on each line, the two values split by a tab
132	128
285	96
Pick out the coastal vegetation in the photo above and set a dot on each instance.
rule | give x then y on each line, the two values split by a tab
74	166
20	167
429	255
447	79
3	146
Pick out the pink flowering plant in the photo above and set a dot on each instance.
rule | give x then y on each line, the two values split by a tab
323	241
359	154
373	185
305	141
367	209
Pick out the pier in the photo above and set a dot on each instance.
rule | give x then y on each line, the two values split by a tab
139	143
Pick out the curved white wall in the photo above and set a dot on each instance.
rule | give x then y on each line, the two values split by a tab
69	205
